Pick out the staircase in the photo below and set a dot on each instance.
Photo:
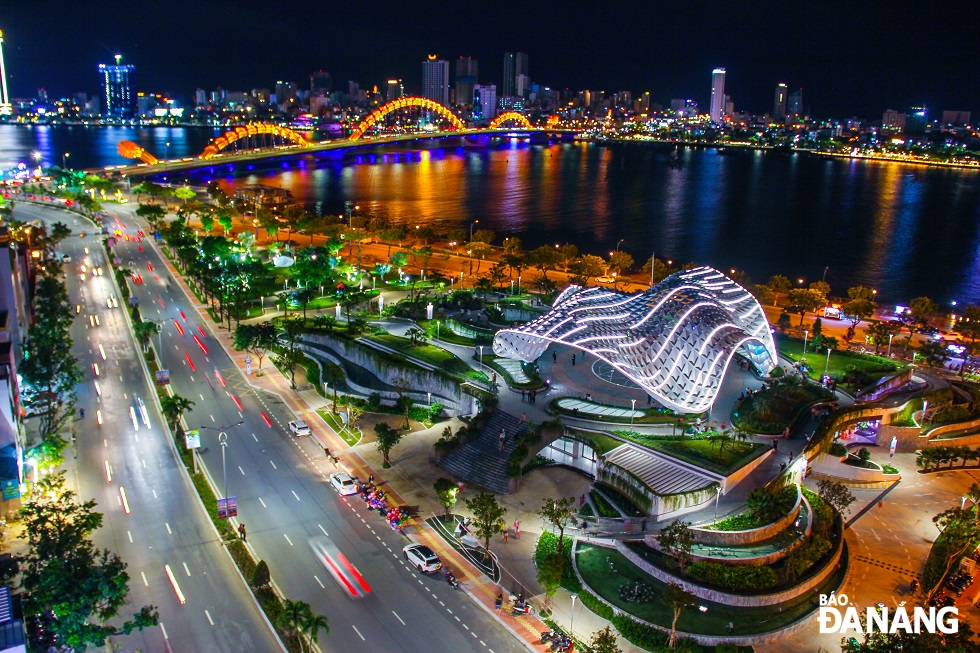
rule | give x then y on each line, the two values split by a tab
480	461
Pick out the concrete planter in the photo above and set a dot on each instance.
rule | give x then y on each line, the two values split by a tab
733	538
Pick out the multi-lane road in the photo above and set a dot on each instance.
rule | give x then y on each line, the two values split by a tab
283	495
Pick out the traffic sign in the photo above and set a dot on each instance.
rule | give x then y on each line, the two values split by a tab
248	365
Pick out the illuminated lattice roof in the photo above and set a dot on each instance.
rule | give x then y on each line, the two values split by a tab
675	339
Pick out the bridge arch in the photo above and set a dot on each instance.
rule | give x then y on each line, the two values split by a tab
131	150
510	116
252	129
403	103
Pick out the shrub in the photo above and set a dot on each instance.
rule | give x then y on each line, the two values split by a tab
838	450
260	575
888	469
548	543
802	559
776	372
864	454
374	402
605	508
726	648
650	638
748	579
592	602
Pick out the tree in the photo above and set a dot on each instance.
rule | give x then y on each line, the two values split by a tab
446	490
620	261
304	296
485	236
488	516
934	353
858	310
255	339
604	641
678	598
549	575
513	246
558	512
881	333
969	325
959	532
290	331
677	540
543	259
588	266
478	250
567	253
783	323
312	626
399	260
184	193
260	575
920	310
152	213
806	300
292	618
66	576
663	269
779	285
174	407
207	223
417	335
387	439
144	331
836	494
760	503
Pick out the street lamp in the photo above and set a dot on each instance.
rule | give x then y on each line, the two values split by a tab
634	411
475	222
827	366
571	627
805	334
63	157
518	284
890	336
36	155
167	151
824	277
223	441
619	243
481	354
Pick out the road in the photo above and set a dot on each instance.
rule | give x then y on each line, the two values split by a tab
164	524
284	497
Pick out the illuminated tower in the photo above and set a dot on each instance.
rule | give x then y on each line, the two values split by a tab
717	94
435	79
5	107
117	96
779	102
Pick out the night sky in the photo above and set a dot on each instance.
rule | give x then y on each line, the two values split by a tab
850	57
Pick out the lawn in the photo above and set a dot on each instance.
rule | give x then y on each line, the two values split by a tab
868	369
601	442
432	354
648	416
772	409
700	450
605	570
350	436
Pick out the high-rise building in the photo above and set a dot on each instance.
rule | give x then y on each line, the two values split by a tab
285	93
522	85
395	90
435	79
484	102
467	72
117	95
200	97
717	94
5	107
514	65
321	83
892	119
645	101
794	104
956	118
779	102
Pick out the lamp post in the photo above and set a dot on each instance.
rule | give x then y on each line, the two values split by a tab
223	441
167	151
634	411
827	366
890	336
518	284
619	243
481	354
63	157
824	277
571	627
475	222
805	334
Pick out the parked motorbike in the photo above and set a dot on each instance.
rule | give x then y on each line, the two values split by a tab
452	580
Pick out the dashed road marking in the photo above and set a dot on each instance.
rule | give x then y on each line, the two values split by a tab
186	570
287	539
208	615
322	530
358	632
397	617
130	534
273	465
241	470
295	495
169	532
322	586
145	582
262	502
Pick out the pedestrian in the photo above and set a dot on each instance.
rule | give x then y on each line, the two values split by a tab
523	397
493	378
775	445
588	396
517	529
502	439
573	360
81	412
326	450
581	501
554	357
241	529
505	535
370	479
731	627
523	418
880	504
643	526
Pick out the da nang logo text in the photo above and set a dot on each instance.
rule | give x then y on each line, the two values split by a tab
835	616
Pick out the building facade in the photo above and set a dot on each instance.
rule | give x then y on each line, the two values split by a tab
717	109
485	102
467	74
779	102
117	95
435	79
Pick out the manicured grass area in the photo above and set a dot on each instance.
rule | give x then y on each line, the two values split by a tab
649	416
350	436
535	383
440	329
701	450
772	409
444	360
601	442
743	521
867	369
605	570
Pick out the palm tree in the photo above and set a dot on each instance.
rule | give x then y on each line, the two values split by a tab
174	408
292	618
144	331
312	626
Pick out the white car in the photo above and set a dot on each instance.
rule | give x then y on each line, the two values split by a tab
605	280
344	483
299	427
422	557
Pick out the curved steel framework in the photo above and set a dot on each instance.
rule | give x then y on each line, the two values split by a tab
252	129
675	339
405	103
131	150
510	116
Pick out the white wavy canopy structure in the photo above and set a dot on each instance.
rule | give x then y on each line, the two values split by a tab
675	339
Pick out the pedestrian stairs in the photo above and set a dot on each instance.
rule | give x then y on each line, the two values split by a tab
481	461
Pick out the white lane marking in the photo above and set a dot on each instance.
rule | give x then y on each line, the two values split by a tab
262	502
240	415
455	617
144	462
130	534
322	530
212	418
105	443
201	396
192	378
273	465
255	438
295	495
208	615
164	630
145	582
186	570
287	539
154	493
319	581
241	470
397	617
358	632
466	627
169	532
442	604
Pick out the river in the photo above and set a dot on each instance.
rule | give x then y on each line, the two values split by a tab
904	230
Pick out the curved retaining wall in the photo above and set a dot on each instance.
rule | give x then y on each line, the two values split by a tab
729	538
946	428
804	623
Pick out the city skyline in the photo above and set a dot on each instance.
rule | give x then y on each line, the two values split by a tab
847	71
